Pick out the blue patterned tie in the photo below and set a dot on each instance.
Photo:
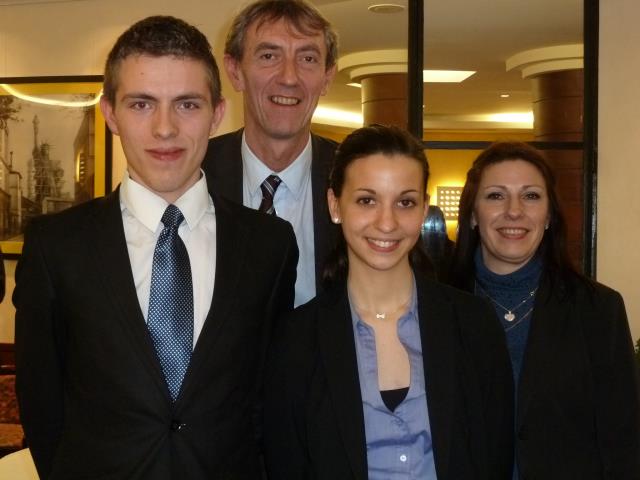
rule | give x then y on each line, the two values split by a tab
170	319
269	187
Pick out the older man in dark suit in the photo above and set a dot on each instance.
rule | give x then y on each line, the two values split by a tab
282	56
143	317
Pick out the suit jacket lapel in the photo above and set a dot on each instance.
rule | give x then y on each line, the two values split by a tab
545	336
437	332
112	257
337	348
231	242
225	167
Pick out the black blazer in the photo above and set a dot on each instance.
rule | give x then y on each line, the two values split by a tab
93	400
578	414
223	167
314	424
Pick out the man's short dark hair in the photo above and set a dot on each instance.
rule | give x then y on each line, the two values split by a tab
160	36
304	17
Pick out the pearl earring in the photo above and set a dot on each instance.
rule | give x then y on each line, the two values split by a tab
336	220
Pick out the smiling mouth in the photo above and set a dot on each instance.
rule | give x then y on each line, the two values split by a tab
286	101
383	245
513	232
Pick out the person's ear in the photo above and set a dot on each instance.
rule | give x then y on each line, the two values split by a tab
234	72
334	207
328	78
218	115
109	114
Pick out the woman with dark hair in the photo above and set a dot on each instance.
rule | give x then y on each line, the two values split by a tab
387	374
577	394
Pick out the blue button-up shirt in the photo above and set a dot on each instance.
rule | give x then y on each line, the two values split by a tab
398	443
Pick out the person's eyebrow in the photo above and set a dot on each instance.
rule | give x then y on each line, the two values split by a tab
190	96
267	46
138	96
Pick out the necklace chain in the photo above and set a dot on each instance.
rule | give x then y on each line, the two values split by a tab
510	316
383	315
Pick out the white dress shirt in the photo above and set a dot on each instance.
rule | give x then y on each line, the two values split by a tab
293	202
142	211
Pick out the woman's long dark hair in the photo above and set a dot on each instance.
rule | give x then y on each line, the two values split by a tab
371	140
553	248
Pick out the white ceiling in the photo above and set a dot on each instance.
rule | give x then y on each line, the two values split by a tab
459	35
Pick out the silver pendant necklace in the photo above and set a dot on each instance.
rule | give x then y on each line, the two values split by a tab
510	316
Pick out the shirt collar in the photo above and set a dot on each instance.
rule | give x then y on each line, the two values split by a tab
148	207
293	177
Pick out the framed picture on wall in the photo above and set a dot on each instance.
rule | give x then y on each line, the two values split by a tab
54	151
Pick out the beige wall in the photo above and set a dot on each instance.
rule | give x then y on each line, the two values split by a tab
619	151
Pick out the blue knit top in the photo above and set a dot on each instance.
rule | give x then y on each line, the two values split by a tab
511	293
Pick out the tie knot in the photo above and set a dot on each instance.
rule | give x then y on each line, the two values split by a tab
172	217
270	184
268	188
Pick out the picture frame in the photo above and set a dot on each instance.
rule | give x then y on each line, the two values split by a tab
55	150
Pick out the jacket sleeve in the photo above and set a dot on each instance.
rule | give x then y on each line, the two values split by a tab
286	454
39	353
280	303
617	391
498	397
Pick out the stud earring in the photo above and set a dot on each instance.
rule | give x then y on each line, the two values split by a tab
336	220
546	227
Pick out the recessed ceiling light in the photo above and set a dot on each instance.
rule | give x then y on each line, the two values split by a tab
354	84
504	95
515	117
445	76
386	8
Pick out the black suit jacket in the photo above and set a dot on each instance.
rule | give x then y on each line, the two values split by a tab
578	413
223	167
92	395
314	424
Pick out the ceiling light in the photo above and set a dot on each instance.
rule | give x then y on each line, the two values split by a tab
334	116
445	76
504	95
49	101
524	117
354	84
386	8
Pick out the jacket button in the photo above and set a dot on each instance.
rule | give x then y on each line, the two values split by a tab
176	425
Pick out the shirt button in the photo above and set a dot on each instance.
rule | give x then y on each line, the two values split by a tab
403	458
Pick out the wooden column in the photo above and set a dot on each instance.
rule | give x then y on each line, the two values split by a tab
558	117
384	99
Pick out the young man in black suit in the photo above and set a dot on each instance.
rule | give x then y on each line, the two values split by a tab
130	362
282	56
